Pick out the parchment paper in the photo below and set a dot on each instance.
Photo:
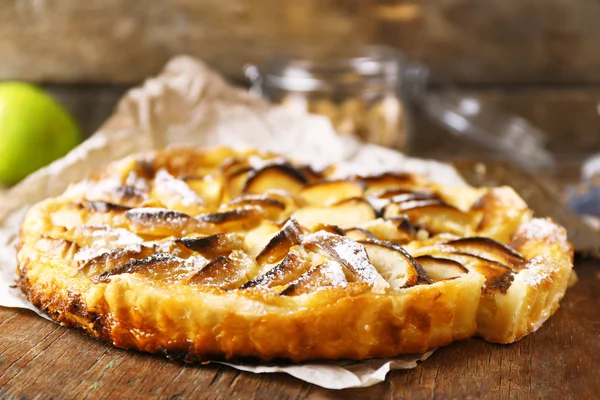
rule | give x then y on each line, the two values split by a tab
189	103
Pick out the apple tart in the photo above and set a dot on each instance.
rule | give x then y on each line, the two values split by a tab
205	254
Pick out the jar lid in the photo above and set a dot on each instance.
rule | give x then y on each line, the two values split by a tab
379	65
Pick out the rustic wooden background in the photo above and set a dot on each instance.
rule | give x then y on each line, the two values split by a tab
537	58
464	41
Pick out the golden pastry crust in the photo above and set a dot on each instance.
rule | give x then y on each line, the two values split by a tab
210	254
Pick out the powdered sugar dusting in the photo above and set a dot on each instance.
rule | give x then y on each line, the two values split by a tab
176	188
195	263
89	252
106	238
157	214
351	254
334	273
539	229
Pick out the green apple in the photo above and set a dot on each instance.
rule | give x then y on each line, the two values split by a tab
34	131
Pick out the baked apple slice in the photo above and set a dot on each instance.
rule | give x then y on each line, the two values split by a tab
156	221
350	254
241	218
359	234
290	235
330	273
176	194
489	249
290	268
157	266
326	193
225	272
441	269
394	264
275	176
214	245
434	215
209	187
345	214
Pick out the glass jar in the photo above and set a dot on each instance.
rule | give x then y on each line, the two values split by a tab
363	94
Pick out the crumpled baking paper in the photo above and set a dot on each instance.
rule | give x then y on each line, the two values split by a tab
189	103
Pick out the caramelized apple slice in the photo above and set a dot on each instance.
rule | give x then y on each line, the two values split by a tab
388	181
124	195
102	207
489	249
272	209
313	175
330	273
500	284
158	221
70	215
440	269
235	182
290	235
114	258
257	200
236	166
434	215
193	161
237	219
209	187
395	264
214	245
397	229
57	248
175	194
497	276
326	193
226	272
346	214
256	239
329	228
98	236
290	268
275	176
350	254
289	200
156	265
408	193
359	234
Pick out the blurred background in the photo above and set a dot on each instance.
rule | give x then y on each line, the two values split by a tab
538	58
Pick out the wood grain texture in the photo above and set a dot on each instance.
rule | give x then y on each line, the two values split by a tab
39	359
125	41
497	41
466	41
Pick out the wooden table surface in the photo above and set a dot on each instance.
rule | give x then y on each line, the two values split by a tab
39	359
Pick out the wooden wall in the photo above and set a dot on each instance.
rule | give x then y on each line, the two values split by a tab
537	58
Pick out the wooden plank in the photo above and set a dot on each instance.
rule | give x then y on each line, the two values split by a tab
468	41
497	41
123	41
40	359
